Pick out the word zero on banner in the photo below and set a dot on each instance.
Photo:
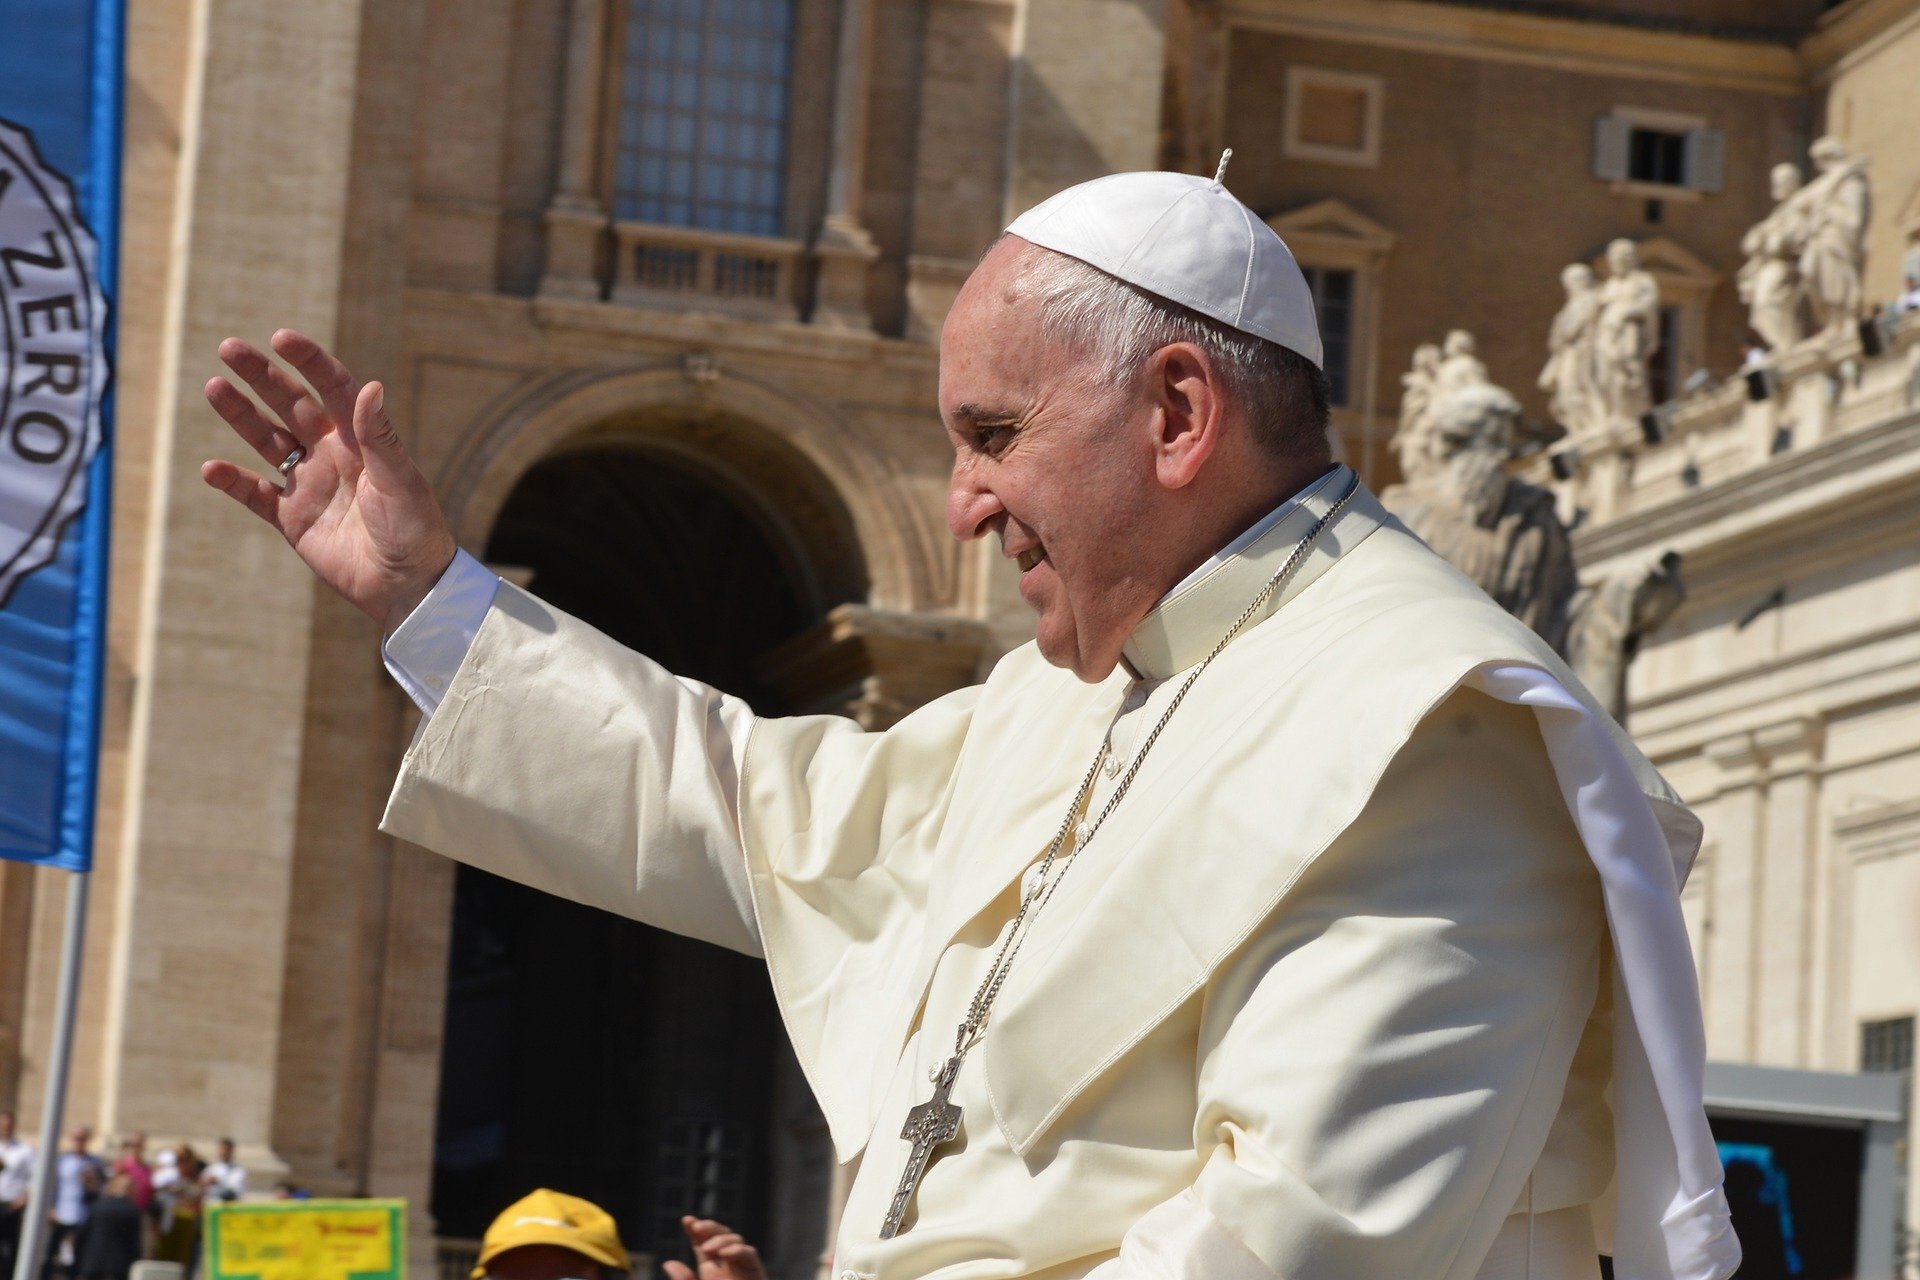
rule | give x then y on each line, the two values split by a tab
53	365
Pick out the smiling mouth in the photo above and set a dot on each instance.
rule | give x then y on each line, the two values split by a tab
1031	557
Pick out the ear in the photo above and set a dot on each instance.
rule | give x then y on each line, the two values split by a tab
1190	411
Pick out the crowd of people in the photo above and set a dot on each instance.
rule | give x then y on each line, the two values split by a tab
107	1212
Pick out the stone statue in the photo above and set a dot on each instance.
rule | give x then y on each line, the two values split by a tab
1459	366
1769	281
1568	378
1609	619
1501	532
1626	333
1410	442
1837	203
1456	447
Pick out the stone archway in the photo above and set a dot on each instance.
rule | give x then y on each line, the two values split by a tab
794	457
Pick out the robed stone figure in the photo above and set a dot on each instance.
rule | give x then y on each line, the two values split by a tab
1285	910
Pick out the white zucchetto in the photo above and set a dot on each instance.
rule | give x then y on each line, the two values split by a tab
1186	239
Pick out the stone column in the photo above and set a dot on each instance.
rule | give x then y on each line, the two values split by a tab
843	247
1736	818
1784	961
577	220
1076	116
960	153
183	990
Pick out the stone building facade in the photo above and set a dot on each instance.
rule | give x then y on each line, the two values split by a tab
655	286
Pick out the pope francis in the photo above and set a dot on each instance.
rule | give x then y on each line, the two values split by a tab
1284	910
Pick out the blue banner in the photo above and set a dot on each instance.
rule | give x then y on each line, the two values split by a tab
60	130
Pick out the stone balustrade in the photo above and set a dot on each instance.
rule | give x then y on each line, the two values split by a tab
686	268
1816	391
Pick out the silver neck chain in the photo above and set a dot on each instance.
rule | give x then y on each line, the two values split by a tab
1037	896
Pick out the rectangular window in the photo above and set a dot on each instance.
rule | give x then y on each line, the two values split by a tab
703	114
1640	148
1654	155
701	1170
1333	297
1886	1046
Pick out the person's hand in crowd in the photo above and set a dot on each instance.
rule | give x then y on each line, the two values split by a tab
354	506
720	1252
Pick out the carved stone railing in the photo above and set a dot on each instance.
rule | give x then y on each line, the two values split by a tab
1814	392
684	268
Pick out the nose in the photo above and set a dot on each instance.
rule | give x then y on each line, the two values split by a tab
971	506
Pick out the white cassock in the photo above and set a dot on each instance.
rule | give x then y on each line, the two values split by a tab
1340	990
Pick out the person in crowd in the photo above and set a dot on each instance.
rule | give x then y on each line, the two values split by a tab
719	1253
1909	299
547	1235
179	1202
77	1179
225	1178
132	1162
16	1174
113	1238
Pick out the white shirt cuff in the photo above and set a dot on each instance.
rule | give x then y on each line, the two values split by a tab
425	652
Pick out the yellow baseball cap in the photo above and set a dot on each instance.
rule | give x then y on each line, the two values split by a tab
549	1217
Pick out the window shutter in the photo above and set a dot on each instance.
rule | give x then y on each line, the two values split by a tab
1610	136
1706	158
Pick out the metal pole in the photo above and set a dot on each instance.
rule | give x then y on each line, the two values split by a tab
33	1228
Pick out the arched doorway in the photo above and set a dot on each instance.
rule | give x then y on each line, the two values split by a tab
583	1051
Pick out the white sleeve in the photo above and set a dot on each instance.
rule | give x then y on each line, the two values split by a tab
424	654
425	651
563	760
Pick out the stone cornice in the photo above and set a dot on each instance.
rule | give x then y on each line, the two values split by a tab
1563	44
682	329
1780	502
1852	31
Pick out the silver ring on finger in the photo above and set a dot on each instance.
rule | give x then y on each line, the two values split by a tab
292	460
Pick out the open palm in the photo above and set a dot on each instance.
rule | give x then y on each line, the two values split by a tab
354	506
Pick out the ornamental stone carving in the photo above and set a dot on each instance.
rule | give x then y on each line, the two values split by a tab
1459	497
1459	435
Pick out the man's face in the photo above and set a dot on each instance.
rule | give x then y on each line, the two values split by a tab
542	1262
6	1126
225	1152
1059	468
1622	258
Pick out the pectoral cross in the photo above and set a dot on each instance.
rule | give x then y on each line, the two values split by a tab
932	1123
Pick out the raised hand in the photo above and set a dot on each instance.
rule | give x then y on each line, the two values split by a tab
354	507
720	1252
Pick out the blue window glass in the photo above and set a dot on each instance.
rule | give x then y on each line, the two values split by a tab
703	114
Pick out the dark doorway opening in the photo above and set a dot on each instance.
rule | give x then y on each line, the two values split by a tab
583	1051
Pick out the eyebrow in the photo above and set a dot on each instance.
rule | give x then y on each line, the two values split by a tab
983	416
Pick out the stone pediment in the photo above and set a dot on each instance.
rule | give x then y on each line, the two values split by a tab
1333	233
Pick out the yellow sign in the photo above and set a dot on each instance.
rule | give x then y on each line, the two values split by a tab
308	1240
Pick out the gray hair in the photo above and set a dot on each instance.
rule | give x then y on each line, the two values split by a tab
1117	326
